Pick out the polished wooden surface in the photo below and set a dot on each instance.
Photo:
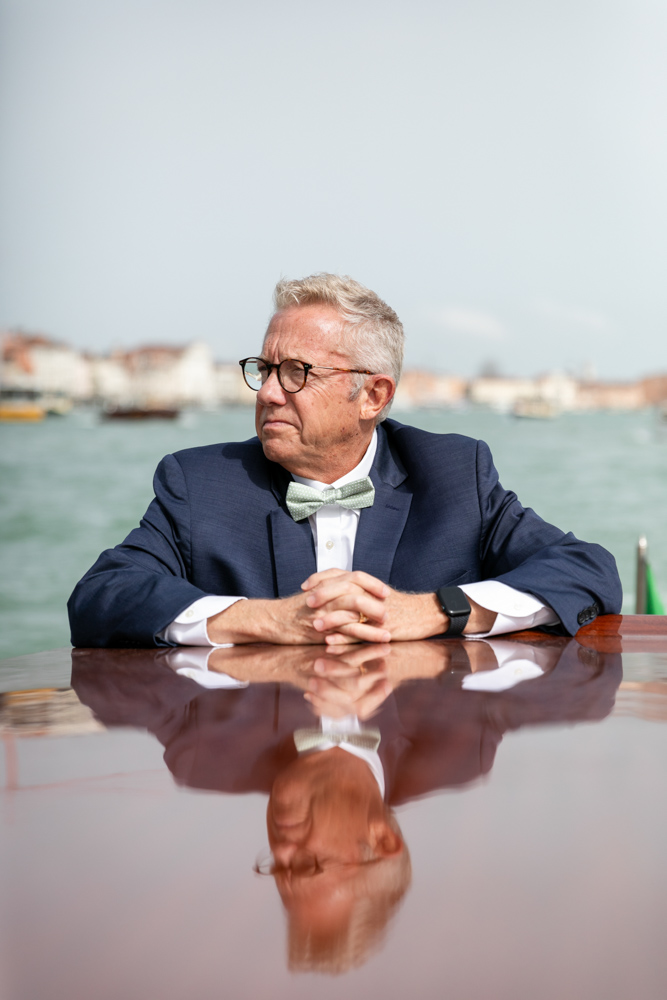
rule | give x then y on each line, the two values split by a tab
133	808
626	626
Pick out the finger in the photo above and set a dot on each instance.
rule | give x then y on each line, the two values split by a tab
328	620
355	655
365	686
344	687
337	668
357	632
364	581
371	584
316	578
336	697
329	590
369	704
364	708
338	639
321	706
324	604
343	662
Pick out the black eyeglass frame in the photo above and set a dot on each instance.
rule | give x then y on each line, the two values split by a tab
307	367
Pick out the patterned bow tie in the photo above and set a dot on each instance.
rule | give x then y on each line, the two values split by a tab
311	739
302	501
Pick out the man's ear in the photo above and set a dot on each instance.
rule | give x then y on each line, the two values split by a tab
386	842
375	395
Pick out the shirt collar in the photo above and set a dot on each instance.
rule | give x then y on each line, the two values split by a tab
351	724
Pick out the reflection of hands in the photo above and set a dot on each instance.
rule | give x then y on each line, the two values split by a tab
356	680
355	683
341	674
264	663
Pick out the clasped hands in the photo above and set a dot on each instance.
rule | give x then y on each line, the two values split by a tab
334	607
344	607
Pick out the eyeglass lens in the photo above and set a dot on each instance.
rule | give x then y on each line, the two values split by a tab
291	374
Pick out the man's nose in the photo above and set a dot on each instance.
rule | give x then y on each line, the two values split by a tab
284	852
271	392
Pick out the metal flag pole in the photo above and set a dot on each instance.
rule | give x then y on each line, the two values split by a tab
642	564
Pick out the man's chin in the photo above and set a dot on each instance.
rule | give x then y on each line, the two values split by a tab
276	448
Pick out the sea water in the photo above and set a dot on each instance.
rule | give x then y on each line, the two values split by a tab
73	486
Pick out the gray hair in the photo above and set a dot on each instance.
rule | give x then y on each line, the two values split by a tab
374	331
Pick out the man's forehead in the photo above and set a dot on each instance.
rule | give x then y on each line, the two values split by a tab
320	327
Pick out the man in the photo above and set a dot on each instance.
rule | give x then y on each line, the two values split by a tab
335	524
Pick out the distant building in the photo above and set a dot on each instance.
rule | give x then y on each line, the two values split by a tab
232	390
157	375
610	396
654	389
562	393
164	375
36	362
423	388
500	393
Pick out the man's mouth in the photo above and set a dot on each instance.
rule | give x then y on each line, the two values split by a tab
275	423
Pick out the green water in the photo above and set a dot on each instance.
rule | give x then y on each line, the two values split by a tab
73	486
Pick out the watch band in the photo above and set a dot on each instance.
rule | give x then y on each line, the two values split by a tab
456	606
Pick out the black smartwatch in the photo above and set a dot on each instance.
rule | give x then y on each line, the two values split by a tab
456	606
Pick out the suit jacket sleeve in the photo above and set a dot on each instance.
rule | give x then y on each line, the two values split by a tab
136	589
579	580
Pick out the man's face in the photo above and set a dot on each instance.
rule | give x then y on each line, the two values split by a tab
330	837
319	807
319	432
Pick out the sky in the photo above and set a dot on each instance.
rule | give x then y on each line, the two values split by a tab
495	169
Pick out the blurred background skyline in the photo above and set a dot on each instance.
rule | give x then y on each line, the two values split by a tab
495	170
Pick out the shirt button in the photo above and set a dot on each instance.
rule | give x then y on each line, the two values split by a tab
189	614
330	544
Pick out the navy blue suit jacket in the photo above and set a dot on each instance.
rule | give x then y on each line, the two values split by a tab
219	525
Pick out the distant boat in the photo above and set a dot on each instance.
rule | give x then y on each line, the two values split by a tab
21	405
535	408
56	404
140	413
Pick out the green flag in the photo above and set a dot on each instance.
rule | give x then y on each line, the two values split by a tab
654	605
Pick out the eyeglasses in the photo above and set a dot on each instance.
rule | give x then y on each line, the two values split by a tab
305	864
292	374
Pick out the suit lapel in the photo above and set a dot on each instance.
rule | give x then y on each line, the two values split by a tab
293	548
293	551
381	526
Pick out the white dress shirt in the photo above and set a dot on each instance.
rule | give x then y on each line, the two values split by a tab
334	531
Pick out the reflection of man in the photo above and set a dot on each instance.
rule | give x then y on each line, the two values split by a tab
439	710
339	859
337	527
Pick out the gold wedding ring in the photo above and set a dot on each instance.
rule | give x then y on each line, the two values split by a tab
362	618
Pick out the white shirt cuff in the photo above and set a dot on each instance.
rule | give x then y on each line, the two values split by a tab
189	628
515	610
516	661
193	663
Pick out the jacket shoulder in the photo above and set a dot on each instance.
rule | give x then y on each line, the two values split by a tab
231	451
416	446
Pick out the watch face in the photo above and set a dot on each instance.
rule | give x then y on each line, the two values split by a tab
454	602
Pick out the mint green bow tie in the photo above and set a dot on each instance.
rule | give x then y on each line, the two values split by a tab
310	739
302	501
